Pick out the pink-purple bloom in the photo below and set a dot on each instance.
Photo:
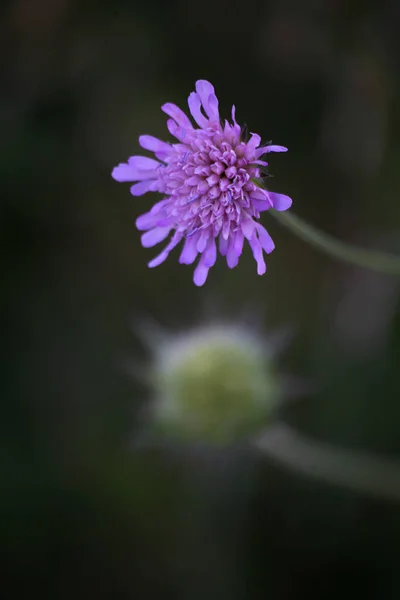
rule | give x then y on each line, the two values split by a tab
209	185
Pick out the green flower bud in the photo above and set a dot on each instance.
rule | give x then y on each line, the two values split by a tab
215	384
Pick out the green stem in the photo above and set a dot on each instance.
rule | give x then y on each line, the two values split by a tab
370	259
378	477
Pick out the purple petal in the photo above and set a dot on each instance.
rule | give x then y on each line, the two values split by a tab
150	185
176	238
200	273
258	255
238	242
176	130
138	168
204	88
124	172
235	249
189	252
155	236
208	98
228	130
150	219
234	114
138	189
143	163
158	259
195	110
280	202
226	229
232	258
146	221
269	148
164	221
260	199
148	142
177	114
248	227
223	245
213	111
265	239
210	253
194	180
236	127
163	156
272	148
158	206
259	194
261	205
252	145
202	241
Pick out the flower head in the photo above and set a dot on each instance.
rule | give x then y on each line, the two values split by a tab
209	183
216	384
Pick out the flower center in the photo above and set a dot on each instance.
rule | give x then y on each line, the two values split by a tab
209	179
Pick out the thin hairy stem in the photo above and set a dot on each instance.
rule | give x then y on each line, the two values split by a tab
361	472
370	259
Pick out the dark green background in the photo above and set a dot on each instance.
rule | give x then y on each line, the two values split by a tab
82	514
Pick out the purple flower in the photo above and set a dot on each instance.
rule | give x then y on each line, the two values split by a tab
209	183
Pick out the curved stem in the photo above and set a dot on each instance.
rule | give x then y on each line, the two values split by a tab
376	260
364	473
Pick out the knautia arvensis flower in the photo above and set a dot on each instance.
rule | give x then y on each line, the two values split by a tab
210	188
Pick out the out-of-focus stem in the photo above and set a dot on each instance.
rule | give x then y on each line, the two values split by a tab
364	473
370	259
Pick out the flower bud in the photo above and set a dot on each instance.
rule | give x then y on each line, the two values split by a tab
216	384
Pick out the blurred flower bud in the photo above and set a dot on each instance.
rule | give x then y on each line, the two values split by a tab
216	384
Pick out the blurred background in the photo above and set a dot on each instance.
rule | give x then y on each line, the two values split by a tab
82	512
